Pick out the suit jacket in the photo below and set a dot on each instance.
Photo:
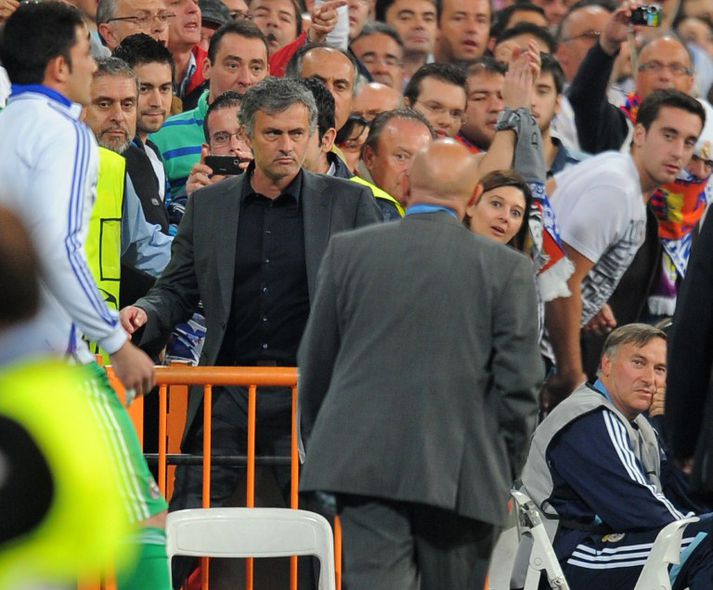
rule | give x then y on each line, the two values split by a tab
419	367
202	265
689	395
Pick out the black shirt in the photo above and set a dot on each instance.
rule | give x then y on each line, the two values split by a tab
270	294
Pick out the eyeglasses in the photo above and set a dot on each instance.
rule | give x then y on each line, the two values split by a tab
351	130
236	14
589	35
162	18
222	138
438	109
656	67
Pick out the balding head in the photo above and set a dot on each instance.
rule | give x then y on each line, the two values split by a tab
664	64
579	31
444	173
375	98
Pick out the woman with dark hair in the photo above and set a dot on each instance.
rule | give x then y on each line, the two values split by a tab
501	212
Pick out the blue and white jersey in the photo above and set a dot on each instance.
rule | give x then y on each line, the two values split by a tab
48	176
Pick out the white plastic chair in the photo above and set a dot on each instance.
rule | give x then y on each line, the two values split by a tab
252	532
542	556
666	550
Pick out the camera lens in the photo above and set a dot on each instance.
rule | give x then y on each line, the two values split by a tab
651	9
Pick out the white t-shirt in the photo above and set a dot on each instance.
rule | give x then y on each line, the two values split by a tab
601	214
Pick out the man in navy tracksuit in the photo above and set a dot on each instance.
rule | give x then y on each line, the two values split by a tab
596	465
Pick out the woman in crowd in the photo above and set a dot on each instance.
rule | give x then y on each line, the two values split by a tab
501	212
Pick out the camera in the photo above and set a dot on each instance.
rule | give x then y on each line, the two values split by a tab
648	15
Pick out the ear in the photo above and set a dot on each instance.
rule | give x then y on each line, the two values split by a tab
639	135
473	201
57	70
558	104
405	189
605	366
205	151
368	156
407	102
106	33
328	140
206	68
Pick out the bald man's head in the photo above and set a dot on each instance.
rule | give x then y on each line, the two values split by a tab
375	98
443	173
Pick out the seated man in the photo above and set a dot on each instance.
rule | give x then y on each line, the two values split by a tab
596	464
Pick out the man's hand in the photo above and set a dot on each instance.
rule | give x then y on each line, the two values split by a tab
134	368
658	404
603	322
7	7
132	318
558	387
520	78
201	175
324	19
617	29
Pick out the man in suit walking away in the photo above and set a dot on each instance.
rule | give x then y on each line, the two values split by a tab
416	416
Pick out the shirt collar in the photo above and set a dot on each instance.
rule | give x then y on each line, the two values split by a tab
424	208
18	89
294	189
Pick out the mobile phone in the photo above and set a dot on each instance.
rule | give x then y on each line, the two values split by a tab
648	15
225	165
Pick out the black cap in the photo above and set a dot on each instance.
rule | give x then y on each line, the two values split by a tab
214	12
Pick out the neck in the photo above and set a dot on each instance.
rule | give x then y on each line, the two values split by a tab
323	165
648	183
412	62
143	136
267	186
182	57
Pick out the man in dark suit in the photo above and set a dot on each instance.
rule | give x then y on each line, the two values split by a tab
689	395
249	248
417	415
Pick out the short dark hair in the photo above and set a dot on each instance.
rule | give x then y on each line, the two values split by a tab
243	27
35	34
500	178
382	7
448	73
294	67
550	64
326	118
529	29
654	102
383	119
229	99
141	49
502	17
486	64
20	295
378	28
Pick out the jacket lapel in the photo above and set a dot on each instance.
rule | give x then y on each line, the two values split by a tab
226	235
316	219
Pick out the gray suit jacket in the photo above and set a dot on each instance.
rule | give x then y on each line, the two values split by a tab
202	265
419	367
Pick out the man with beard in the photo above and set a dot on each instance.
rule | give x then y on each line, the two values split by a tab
111	115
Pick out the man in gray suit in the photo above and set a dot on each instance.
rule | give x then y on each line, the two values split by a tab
249	248
416	416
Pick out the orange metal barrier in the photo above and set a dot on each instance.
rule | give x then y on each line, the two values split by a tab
173	385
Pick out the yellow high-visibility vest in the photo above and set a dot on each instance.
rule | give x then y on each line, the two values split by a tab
103	246
380	193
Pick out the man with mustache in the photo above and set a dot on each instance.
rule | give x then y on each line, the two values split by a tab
144	249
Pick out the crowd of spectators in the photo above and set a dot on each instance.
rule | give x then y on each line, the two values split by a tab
592	137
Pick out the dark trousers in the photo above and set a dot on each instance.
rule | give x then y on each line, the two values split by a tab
406	546
229	437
